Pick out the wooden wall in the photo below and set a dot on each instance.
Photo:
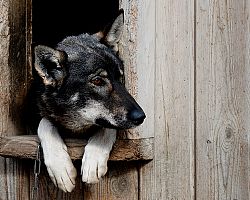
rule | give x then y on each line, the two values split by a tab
222	100
187	63
15	74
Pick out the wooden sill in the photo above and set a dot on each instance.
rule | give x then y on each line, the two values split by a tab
124	149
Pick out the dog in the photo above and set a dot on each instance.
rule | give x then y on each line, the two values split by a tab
81	87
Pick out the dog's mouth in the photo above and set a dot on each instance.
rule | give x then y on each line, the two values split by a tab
104	123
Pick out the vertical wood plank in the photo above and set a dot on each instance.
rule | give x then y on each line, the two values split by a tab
144	67
171	174
4	90
174	119
137	49
223	109
14	176
5	76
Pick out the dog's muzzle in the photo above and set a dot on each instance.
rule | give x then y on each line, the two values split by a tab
134	118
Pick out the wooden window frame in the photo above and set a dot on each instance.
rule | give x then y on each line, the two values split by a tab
14	143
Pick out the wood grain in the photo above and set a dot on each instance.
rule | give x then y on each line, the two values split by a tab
120	183
171	174
137	49
223	108
116	184
187	64
14	176
145	71
26	147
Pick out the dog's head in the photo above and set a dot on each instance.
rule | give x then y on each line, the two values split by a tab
82	80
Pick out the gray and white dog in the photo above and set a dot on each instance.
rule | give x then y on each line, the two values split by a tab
80	87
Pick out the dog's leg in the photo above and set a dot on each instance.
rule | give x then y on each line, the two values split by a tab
56	158
96	155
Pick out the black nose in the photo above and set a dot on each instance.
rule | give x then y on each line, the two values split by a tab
136	116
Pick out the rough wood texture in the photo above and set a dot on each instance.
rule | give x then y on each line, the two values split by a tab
14	176
15	74
120	183
145	89
223	107
187	63
26	147
137	49
171	174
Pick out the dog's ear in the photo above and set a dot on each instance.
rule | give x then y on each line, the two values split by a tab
49	63
112	34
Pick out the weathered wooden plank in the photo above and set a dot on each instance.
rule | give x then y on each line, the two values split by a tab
223	93
26	147
4	90
121	182
137	50
5	75
171	174
14	179
145	85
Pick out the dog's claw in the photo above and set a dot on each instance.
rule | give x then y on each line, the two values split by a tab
94	164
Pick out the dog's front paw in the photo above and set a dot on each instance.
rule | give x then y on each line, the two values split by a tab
94	164
61	170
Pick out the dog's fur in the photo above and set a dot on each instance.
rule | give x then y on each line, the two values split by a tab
81	88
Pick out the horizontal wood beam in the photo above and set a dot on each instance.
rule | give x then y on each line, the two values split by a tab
124	149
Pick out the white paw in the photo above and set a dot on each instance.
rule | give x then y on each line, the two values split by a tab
61	169
94	164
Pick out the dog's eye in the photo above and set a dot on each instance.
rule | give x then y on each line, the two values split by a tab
98	81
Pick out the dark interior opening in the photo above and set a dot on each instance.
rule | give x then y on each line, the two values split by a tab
53	20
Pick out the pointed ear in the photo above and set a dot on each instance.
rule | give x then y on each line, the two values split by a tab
49	63
112	34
